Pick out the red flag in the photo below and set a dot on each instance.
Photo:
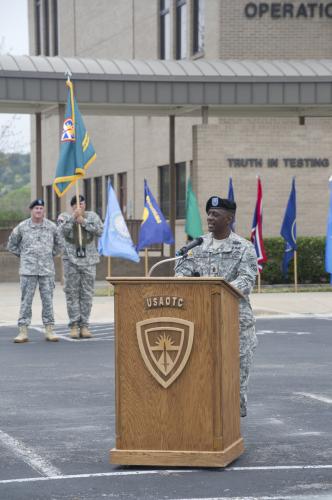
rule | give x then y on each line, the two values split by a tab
256	231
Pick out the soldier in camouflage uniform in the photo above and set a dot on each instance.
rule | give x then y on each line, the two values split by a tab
36	242
79	271
225	254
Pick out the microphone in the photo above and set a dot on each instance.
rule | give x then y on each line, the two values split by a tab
184	250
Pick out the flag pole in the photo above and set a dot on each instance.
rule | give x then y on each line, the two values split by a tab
78	205
295	270
109	270
146	261
69	74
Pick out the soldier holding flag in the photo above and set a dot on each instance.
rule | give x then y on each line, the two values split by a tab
79	228
79	269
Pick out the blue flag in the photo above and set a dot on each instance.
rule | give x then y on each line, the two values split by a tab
76	151
288	229
328	247
154	228
115	240
230	196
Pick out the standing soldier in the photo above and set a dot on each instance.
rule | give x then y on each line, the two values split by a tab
225	254
79	262
36	242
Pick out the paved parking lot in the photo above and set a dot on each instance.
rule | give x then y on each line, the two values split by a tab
57	421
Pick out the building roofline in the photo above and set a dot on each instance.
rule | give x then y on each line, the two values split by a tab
158	87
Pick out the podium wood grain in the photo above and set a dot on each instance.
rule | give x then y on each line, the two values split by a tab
195	421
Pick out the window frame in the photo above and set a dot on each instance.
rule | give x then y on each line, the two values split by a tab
198	23
164	187
181	48
164	17
98	195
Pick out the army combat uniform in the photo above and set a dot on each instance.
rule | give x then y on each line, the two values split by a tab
79	272
36	245
233	259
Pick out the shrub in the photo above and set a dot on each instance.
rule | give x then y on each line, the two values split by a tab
310	261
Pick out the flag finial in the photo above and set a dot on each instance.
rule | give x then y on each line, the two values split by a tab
68	74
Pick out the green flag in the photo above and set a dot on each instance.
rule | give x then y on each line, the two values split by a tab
76	151
193	219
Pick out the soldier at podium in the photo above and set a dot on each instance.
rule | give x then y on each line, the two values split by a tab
233	258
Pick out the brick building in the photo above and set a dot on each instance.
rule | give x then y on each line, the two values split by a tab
212	148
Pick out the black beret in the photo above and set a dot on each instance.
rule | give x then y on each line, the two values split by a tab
73	201
216	202
37	203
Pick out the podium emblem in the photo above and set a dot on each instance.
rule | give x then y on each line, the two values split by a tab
165	345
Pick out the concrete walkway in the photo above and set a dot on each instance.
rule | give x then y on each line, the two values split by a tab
264	304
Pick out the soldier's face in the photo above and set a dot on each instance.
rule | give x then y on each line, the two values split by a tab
218	220
81	206
37	213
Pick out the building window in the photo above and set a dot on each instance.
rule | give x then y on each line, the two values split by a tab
122	192
87	193
46	24
109	179
181	29
98	196
164	189
180	190
198	26
55	33
38	27
49	202
165	29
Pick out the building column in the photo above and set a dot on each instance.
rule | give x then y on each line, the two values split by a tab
205	115
38	171
172	180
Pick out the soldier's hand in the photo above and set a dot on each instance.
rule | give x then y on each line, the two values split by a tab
79	219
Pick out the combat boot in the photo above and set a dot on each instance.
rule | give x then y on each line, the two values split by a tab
49	335
74	332
85	333
22	336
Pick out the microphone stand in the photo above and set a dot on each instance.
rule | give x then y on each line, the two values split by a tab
163	261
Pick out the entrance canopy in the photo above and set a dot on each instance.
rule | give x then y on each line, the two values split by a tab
30	84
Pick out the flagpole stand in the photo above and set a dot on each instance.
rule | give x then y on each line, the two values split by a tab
109	270
295	270
146	261
259	282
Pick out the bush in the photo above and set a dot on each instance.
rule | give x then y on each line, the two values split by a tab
14	205
310	261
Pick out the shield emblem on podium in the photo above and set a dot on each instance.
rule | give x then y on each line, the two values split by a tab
165	345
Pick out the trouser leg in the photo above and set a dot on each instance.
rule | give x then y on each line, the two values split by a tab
248	343
72	291
46	289
245	364
88	276
28	288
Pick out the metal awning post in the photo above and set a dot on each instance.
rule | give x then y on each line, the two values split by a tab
172	180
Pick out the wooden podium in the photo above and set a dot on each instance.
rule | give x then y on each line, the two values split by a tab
177	372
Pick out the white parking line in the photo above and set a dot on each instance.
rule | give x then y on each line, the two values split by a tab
317	397
165	472
31	458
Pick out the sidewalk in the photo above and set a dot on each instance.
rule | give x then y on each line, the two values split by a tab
264	304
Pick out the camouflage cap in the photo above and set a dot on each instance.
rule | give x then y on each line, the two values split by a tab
73	201
37	203
217	202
